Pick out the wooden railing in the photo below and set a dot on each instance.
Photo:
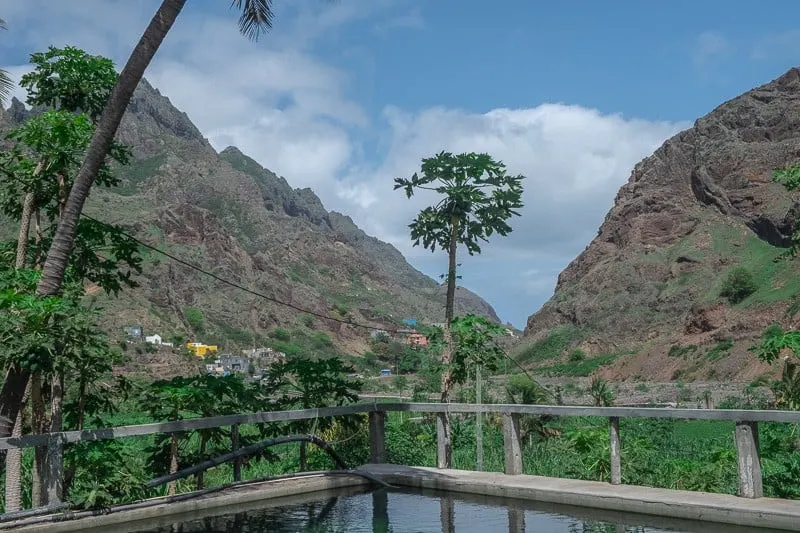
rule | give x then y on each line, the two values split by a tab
745	434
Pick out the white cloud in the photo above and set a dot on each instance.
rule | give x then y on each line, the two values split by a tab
280	104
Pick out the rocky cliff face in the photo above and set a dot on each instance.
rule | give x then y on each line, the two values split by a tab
701	205
242	222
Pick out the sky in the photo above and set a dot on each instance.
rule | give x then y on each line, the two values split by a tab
345	96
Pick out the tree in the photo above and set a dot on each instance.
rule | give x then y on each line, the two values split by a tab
6	85
477	198
303	383
738	285
41	166
256	16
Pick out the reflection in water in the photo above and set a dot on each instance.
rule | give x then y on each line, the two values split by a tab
406	512
516	520
447	512
380	512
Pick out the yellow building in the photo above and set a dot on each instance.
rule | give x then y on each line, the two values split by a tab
200	349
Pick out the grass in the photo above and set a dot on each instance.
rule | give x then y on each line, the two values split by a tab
136	173
720	351
581	368
551	346
676	350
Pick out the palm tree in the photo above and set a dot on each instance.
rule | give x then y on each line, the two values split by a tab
255	16
6	85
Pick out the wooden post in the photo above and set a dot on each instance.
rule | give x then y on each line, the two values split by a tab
444	457
53	471
750	481
511	443
377	437
237	463
616	467
478	420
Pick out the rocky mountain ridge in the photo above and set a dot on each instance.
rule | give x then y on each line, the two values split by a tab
228	214
645	293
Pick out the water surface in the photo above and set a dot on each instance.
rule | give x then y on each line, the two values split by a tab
418	512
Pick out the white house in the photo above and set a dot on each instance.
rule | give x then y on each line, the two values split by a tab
153	339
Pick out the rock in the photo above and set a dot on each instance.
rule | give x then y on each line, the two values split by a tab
681	220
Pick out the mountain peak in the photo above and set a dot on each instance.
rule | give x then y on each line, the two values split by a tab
702	204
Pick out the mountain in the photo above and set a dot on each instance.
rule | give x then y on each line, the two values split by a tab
643	299
241	222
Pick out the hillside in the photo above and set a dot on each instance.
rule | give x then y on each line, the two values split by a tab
643	299
232	217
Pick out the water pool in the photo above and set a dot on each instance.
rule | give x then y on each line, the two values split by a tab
382	511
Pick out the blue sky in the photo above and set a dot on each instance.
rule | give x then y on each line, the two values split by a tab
342	97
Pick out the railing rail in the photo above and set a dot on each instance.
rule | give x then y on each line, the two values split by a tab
745	434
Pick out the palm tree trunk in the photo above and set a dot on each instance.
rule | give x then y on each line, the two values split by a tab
131	75
58	255
445	460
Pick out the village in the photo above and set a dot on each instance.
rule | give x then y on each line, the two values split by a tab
253	363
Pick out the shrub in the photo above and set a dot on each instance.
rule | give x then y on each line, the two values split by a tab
738	285
280	334
577	356
195	319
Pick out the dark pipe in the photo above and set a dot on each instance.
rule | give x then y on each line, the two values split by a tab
180	497
15	515
247	450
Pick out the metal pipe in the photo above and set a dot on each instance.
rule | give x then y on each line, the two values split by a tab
180	497
247	450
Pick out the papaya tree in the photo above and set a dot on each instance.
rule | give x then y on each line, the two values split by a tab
477	197
255	17
35	179
303	383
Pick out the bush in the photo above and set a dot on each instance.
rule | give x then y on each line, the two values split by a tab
280	334
195	319
738	285
577	356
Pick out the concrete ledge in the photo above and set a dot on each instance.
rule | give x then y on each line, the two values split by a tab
232	500
699	506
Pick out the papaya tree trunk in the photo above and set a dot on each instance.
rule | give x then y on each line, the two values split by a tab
445	460
303	456
13	489
173	463
203	443
81	403
55	456
13	501
38	426
58	255
24	229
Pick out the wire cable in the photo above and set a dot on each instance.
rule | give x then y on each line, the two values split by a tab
262	295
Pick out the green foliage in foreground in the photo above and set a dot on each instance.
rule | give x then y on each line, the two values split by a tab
686	455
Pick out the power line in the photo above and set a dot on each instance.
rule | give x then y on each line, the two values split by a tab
262	295
232	283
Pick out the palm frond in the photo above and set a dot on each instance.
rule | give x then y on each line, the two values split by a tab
256	17
6	84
